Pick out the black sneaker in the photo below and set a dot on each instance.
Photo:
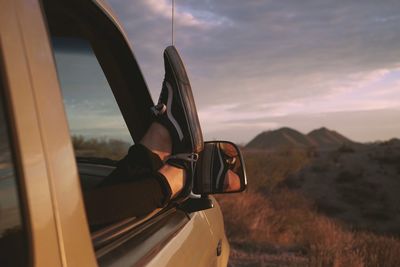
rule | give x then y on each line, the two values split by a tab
176	109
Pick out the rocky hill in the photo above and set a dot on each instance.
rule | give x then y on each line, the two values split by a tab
325	138
321	138
283	137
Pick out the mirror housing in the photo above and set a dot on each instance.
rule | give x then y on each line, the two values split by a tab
220	169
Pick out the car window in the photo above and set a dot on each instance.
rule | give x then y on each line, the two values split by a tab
96	124
13	242
103	88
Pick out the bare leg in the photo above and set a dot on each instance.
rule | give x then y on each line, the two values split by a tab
175	177
158	140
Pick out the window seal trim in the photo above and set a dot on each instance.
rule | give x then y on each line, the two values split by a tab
132	234
108	234
17	164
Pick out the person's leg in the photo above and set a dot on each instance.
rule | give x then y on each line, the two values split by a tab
176	130
144	173
140	177
158	140
175	177
148	157
176	110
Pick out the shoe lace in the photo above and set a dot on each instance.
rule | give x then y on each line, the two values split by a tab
159	109
190	157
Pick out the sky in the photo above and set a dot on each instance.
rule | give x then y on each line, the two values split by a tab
259	65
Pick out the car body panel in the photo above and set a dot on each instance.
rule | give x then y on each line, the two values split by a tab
31	165
73	231
193	246
69	215
214	219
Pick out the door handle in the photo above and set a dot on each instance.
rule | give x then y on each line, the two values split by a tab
219	248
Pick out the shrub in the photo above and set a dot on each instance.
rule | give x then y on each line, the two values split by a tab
329	208
345	148
348	177
100	148
320	167
377	215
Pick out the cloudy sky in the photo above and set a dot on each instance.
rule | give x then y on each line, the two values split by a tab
260	65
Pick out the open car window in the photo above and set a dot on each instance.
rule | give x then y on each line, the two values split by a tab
98	130
107	105
101	102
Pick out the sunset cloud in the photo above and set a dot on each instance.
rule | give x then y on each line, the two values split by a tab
253	61
163	8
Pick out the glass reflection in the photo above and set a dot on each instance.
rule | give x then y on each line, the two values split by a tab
97	127
12	239
230	154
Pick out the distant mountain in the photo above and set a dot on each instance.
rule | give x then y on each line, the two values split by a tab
321	138
325	138
283	137
394	142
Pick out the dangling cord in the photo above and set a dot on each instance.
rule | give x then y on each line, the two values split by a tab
173	13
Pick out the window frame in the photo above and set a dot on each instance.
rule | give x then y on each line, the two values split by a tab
133	98
16	163
119	67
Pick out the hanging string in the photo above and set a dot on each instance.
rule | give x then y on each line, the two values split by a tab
172	31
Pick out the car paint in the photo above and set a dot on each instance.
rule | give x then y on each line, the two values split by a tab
55	215
194	238
45	248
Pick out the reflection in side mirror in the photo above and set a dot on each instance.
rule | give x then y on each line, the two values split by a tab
220	169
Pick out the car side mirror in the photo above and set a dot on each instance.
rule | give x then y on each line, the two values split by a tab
220	169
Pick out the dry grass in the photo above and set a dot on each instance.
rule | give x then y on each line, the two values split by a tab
376	250
286	222
267	170
274	220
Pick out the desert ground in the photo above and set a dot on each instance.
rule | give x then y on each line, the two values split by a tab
316	202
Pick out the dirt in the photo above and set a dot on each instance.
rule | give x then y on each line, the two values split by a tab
240	258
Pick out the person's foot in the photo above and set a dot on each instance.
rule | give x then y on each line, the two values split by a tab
176	108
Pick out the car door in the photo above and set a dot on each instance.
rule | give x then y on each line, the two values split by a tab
30	233
107	105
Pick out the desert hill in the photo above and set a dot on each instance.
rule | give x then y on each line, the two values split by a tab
338	204
283	137
333	200
321	138
325	138
395	142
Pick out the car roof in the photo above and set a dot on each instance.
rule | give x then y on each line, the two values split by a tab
106	8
